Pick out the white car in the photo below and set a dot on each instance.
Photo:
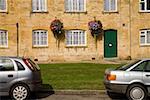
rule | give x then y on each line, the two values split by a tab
132	79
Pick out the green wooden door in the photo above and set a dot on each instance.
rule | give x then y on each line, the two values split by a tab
110	43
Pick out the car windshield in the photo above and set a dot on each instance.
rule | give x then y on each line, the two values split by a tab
126	66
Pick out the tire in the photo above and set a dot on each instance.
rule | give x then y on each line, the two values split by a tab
136	92
19	92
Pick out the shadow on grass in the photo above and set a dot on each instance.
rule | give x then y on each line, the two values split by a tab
45	91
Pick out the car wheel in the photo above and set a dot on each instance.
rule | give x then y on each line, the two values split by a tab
19	92
136	92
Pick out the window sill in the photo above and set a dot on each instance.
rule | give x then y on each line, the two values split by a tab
40	12
40	46
109	12
77	46
144	45
144	11
72	12
3	11
3	47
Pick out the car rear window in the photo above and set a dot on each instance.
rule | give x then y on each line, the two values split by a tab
33	66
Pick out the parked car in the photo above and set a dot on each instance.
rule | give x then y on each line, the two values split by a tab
19	77
132	79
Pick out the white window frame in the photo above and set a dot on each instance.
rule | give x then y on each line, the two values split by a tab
39	45
71	8
110	9
6	7
144	33
39	5
72	44
145	6
6	45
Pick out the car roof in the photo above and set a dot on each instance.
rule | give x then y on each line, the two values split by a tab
12	57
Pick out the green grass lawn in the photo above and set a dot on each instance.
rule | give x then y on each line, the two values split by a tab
77	76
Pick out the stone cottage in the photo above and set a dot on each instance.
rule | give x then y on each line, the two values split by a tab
25	29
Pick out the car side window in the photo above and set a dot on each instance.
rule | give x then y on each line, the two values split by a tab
19	66
140	67
147	68
6	65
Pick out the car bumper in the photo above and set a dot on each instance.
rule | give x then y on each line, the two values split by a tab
35	86
115	88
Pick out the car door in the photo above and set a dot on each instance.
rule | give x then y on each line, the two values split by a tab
136	74
8	73
146	73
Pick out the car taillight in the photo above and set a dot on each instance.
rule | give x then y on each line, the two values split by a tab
111	77
28	64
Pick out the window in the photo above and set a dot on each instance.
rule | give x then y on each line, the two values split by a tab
110	5
144	5
3	5
140	67
145	37
6	65
39	5
40	38
75	38
20	66
75	5
3	38
147	68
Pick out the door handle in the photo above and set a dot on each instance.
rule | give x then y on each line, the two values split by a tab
147	75
10	75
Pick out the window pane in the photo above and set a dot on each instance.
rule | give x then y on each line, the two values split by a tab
148	37
140	67
106	5
3	38
142	40
66	5
6	65
142	6
147	68
113	4
20	66
81	5
34	5
2	4
148	4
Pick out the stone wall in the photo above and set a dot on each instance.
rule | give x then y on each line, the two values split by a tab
125	21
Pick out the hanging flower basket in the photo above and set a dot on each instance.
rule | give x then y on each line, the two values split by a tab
95	27
56	27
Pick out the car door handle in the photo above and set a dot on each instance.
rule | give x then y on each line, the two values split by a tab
10	75
147	75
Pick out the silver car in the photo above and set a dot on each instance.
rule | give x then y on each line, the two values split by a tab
19	77
132	79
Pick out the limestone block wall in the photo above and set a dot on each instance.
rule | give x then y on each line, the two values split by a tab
127	21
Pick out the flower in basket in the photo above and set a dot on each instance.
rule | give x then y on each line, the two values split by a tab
95	27
56	26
